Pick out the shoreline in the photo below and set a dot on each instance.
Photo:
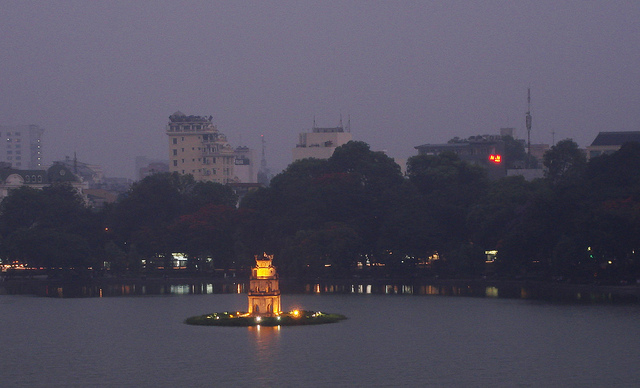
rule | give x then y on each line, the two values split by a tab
502	288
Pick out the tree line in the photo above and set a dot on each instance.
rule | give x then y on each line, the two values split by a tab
354	214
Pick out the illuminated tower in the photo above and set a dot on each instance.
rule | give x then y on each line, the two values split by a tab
264	288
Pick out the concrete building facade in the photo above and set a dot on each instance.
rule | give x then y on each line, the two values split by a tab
246	168
21	146
196	147
12	178
321	142
478	150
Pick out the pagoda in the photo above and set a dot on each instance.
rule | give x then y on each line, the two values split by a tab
264	288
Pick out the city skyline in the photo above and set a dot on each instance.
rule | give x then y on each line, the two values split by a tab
103	78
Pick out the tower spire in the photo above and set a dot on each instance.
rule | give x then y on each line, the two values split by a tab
263	173
528	123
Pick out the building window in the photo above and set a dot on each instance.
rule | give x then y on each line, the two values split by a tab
175	163
33	178
175	140
39	178
27	179
175	152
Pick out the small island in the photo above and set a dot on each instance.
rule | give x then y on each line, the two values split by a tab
264	304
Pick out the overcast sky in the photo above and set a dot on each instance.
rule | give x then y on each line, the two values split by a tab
102	77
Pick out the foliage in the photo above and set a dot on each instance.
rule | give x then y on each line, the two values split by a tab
303	317
49	228
329	217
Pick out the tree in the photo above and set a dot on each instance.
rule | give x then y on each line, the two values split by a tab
50	227
352	188
565	162
208	233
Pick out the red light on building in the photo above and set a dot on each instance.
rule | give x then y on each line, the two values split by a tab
495	158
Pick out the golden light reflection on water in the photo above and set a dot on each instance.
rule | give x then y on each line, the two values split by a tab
265	341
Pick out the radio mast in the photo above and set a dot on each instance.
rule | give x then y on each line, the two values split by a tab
528	123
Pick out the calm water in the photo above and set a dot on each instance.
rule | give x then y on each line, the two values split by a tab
389	340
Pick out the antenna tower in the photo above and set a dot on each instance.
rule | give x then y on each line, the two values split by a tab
528	122
263	161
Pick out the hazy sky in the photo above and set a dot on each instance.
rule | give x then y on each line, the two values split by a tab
102	77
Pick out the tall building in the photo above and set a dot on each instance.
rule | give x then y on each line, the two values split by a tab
245	165
196	147
321	142
21	146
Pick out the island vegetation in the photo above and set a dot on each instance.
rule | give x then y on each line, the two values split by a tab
355	215
292	318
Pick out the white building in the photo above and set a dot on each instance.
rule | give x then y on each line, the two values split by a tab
321	142
246	168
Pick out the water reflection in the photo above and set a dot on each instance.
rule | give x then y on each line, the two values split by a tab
72	290
512	290
264	342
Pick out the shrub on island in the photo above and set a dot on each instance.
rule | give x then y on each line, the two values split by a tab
292	318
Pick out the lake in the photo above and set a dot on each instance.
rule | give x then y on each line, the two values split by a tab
388	340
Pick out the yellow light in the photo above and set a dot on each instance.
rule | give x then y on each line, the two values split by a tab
295	313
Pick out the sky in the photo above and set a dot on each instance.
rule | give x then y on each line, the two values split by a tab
102	77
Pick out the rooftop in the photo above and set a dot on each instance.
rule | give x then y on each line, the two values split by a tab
616	138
